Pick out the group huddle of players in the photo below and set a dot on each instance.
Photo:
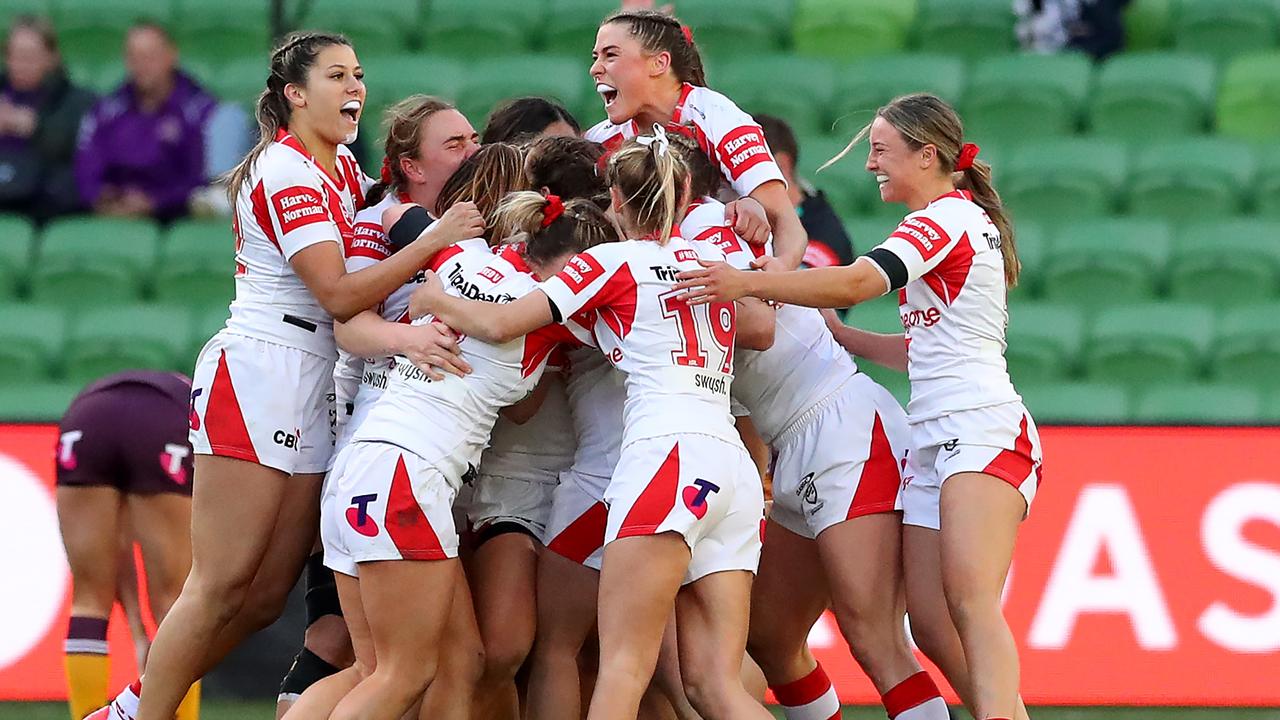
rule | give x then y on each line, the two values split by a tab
513	385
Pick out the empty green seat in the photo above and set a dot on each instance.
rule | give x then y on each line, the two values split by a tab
840	29
1103	261
1026	95
1043	341
1063	178
849	187
37	401
197	265
1198	404
572	24
225	31
1249	99
751	27
206	322
94	30
1247	347
393	26
1190	178
880	315
1141	95
1148	343
1225	27
17	243
479	29
241	81
110	338
489	82
31	341
972	28
1267	184
391	77
88	261
869	231
1227	261
752	82
1147	23
1076	403
865	85
13	8
897	383
1032	244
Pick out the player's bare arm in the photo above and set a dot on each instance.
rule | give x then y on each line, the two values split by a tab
828	287
431	347
491	322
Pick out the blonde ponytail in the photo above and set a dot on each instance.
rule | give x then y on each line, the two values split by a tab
653	180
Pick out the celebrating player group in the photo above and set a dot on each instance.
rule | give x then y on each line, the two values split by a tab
497	403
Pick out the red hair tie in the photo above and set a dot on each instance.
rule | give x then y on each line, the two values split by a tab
553	209
968	152
385	175
688	33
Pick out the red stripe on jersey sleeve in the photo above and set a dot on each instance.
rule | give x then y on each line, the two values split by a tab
258	200
655	502
223	420
617	302
583	536
406	523
743	149
298	206
541	343
924	234
948	278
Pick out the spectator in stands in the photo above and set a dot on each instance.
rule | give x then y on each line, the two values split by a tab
142	148
40	112
829	244
1092	26
516	121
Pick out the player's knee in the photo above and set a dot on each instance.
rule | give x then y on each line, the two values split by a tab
307	670
968	608
329	639
869	629
463	664
503	658
774	646
260	608
710	694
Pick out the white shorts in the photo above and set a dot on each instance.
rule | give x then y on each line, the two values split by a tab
841	460
1000	440
700	486
519	501
579	517
382	502
262	402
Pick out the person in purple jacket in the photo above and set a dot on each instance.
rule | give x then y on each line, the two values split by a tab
142	148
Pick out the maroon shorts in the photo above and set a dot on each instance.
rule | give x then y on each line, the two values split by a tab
131	436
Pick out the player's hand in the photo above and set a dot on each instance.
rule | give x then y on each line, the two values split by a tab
433	347
425	298
747	217
715	282
769	263
462	221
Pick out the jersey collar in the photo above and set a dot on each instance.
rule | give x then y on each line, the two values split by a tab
284	137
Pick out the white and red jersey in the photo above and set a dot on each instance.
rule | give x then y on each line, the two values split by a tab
678	358
289	203
953	307
447	422
805	363
539	448
729	136
597	393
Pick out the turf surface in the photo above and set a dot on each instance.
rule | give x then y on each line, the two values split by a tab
231	710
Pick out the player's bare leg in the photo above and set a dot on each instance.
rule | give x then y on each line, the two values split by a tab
452	693
787	598
406	628
503	571
980	515
319	700
567	593
712	613
666	676
638	584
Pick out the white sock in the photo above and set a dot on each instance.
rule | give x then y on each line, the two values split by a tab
812	697
125	706
933	709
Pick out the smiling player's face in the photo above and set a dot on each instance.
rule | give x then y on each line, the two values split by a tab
334	96
622	70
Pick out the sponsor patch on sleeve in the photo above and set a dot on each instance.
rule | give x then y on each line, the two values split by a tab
926	235
368	240
297	207
581	271
743	149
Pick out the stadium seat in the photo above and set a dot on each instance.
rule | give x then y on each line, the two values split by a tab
197	265
17	244
897	383
1156	94
849	187
94	30
879	315
1032	244
31	341
225	31
1247	347
86	261
753	81
484	29
1063	178
391	77
572	24
1147	343
1043	341
1190	178
866	232
867	84
241	81
843	30
1147	24
489	82
1026	95
1080	403
1198	404
1249	99
37	401
393	27
1267	185
972	28
753	27
1104	261
206	322
109	338
1227	261
1225	28
13	8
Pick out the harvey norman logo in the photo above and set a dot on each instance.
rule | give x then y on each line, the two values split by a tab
297	207
743	149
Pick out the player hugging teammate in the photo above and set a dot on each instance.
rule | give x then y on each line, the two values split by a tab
542	351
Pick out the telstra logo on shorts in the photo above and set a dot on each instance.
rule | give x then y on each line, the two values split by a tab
695	496
194	419
358	515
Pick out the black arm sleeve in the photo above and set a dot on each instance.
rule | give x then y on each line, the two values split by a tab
892	266
556	315
408	227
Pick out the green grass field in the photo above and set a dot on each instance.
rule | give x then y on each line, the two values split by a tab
230	710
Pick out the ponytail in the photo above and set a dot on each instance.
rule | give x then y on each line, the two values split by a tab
549	229
654	182
976	178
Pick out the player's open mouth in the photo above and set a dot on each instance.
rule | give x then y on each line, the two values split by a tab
882	179
608	92
351	109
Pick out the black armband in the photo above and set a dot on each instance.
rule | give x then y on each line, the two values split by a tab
408	227
891	265
556	315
